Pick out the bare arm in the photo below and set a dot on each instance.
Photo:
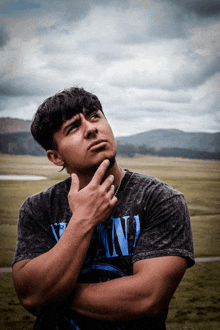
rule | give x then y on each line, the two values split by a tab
53	275
147	292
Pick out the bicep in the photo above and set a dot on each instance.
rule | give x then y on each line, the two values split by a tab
18	276
166	232
34	236
160	277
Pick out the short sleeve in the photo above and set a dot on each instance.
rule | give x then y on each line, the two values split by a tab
166	231
33	233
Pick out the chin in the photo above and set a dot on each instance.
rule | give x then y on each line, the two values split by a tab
111	159
112	162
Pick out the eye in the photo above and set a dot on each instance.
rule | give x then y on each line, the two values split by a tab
95	115
72	128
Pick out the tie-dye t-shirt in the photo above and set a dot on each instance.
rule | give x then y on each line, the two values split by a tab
150	219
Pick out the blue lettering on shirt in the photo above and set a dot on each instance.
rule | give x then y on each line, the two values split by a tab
110	240
114	240
58	229
120	239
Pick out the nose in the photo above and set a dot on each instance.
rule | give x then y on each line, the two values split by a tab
90	129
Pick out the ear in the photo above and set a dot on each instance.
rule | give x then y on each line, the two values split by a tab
55	157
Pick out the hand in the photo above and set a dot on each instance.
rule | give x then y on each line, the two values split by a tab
95	202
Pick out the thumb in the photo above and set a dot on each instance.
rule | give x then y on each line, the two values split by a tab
74	183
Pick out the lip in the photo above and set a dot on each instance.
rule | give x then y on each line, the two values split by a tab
97	144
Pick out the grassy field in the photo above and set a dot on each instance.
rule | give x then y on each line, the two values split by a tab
196	303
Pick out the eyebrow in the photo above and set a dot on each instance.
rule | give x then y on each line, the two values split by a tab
74	120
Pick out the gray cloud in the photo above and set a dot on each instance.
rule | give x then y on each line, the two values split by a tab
193	71
152	63
21	86
4	37
204	8
8	7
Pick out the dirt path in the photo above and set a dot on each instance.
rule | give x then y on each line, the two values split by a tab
207	259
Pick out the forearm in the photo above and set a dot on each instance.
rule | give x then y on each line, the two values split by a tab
52	276
145	293
114	300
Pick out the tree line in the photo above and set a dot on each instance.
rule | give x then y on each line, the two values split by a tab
130	150
24	144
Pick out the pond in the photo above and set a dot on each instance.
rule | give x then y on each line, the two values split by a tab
22	177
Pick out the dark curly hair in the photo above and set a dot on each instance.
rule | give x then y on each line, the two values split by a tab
55	110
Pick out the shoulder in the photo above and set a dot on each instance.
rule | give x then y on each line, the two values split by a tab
150	186
47	197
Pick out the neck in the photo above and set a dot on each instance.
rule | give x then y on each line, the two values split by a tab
86	177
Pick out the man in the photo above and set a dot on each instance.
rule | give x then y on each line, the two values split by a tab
105	248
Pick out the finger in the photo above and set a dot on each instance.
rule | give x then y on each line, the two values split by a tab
107	184
110	193
113	201
99	174
112	188
74	183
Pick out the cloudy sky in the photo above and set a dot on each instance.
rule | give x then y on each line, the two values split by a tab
153	64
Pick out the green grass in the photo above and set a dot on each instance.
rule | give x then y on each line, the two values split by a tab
13	194
12	315
196	303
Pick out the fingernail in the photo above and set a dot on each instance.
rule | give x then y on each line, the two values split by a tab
112	176
112	187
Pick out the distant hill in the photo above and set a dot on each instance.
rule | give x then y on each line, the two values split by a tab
131	150
165	138
14	125
20	144
16	139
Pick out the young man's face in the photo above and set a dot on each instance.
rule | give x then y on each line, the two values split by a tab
84	141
